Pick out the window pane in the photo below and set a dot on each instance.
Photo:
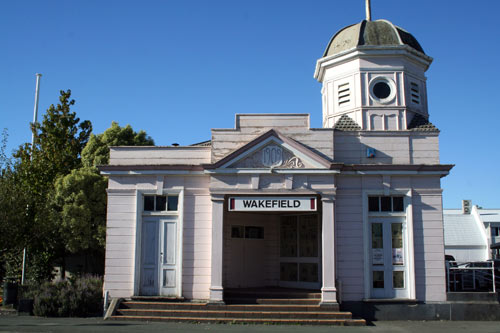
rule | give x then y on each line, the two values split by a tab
385	203
237	231
254	232
288	237
397	235
397	243
308	236
381	90
398	279
373	204
161	203
288	271
378	279
308	272
149	202
173	202
397	204
377	237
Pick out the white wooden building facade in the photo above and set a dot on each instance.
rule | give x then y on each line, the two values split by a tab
353	209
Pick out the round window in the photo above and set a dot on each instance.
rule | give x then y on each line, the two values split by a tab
382	90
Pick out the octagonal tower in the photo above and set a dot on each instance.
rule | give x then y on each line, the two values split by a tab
374	73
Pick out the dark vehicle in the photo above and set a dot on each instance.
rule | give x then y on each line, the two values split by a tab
480	275
450	260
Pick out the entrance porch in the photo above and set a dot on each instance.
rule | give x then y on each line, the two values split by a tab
272	250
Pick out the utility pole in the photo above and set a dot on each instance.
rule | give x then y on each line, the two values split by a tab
35	118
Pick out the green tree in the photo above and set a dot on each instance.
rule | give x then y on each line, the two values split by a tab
58	142
12	206
80	197
96	152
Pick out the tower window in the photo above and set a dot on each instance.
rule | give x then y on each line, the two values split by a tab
381	90
415	93
344	94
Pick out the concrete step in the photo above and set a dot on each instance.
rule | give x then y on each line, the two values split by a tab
234	314
276	294
157	299
339	322
278	301
225	307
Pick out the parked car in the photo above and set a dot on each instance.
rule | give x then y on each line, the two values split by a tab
478	275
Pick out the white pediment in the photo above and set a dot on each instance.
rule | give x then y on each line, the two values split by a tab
273	153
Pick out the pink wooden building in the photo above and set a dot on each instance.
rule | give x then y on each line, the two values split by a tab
353	209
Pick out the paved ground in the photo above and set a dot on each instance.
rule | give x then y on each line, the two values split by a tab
76	325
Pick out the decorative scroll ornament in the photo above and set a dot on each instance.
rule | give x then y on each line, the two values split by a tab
294	163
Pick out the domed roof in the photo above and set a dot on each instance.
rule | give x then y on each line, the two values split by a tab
370	33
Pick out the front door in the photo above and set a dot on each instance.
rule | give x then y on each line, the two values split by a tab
299	252
389	258
160	266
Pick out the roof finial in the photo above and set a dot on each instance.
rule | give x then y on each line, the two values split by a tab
368	11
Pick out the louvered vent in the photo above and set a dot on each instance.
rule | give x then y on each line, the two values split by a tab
344	94
415	93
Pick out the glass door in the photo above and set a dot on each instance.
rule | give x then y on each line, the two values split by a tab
299	252
388	256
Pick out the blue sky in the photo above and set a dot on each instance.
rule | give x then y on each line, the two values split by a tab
176	69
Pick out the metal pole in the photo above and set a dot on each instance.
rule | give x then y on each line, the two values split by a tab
493	275
368	10
35	109
35	118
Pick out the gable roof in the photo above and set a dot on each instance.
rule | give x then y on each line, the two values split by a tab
489	215
461	229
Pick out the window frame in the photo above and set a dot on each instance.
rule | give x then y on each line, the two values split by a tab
156	211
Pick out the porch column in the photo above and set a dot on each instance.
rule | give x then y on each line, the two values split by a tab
216	289
328	291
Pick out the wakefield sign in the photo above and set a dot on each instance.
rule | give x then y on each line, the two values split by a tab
266	204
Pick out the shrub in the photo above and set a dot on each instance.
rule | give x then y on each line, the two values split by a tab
79	297
47	300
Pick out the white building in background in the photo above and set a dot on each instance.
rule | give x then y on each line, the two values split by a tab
273	202
470	232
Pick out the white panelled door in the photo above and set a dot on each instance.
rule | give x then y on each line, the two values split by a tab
160	266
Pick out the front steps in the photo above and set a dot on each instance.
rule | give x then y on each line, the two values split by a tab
245	307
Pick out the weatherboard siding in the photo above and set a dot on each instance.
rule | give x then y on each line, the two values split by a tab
159	155
349	238
427	234
120	244
401	148
121	233
429	243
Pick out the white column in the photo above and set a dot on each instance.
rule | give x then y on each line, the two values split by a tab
216	289
328	291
